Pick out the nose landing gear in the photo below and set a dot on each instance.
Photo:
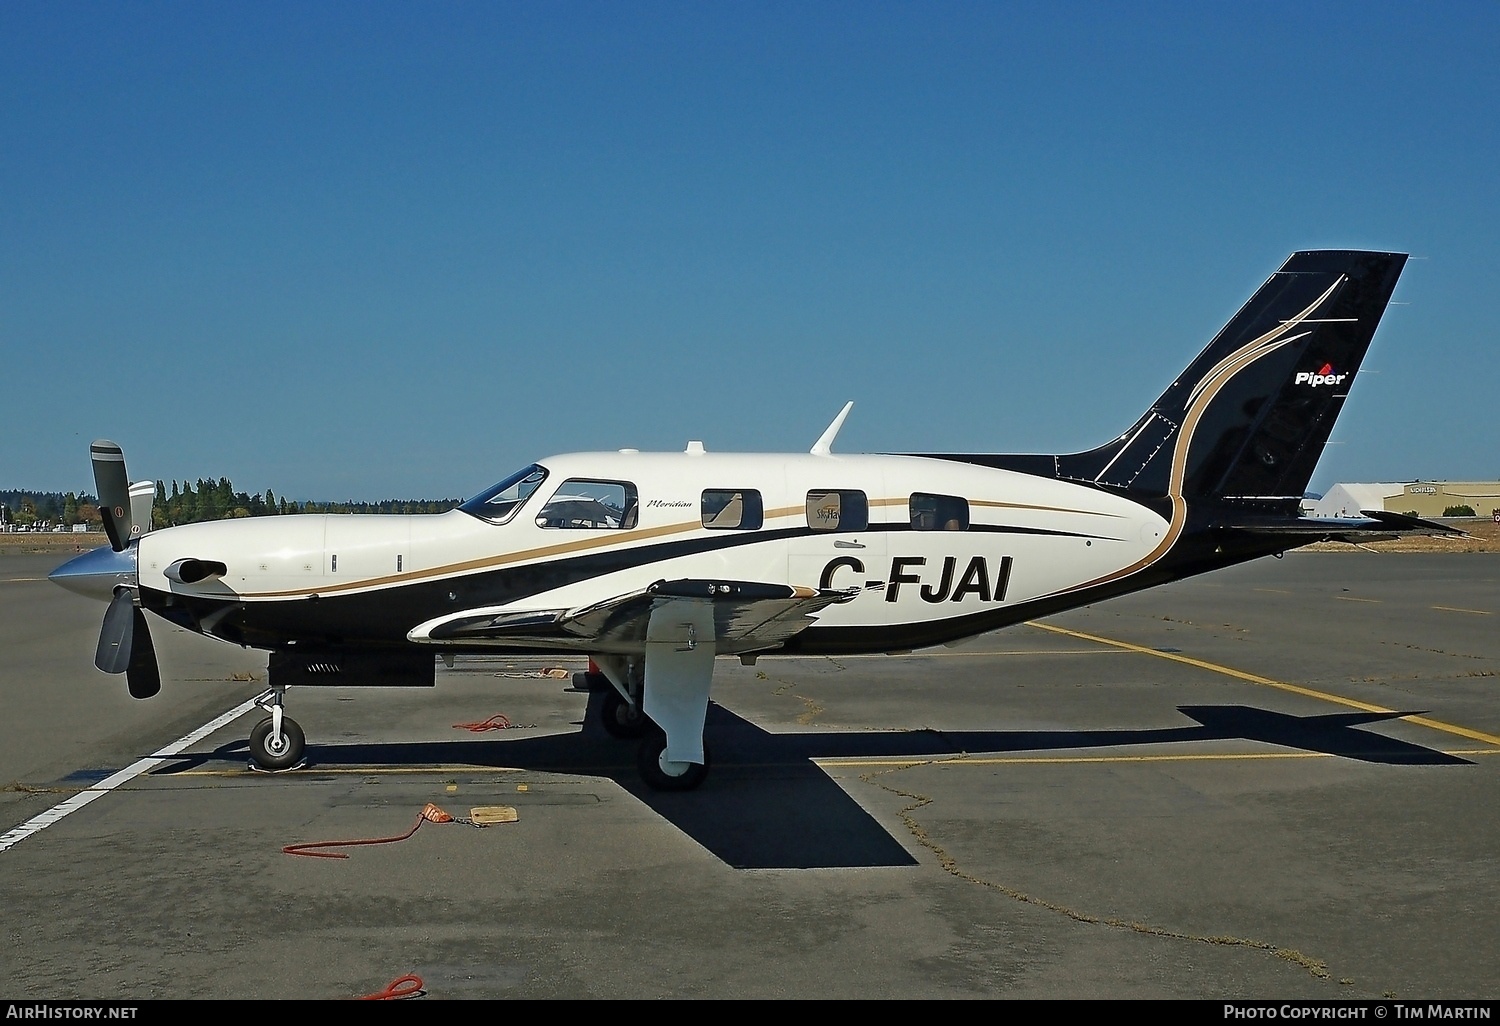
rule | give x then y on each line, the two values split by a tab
277	742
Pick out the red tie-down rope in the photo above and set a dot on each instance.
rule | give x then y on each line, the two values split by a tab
406	986
410	985
499	721
429	814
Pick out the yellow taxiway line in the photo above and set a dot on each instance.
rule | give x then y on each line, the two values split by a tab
1296	689
1076	760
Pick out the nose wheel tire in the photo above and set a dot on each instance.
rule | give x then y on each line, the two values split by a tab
621	719
277	753
662	775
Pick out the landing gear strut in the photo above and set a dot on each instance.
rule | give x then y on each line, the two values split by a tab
621	716
277	742
621	719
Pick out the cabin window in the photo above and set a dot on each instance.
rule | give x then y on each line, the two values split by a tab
838	511
939	512
499	503
726	509
581	503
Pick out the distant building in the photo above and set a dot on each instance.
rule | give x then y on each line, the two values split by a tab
1425	498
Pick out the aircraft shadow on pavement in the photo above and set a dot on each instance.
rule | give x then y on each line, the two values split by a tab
767	805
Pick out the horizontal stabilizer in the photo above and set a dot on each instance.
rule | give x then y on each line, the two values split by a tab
1377	525
1412	525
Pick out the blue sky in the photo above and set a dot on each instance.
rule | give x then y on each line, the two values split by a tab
370	250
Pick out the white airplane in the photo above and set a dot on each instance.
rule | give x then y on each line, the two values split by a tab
653	564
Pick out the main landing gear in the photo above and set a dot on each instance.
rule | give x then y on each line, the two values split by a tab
277	742
625	718
622	719
662	774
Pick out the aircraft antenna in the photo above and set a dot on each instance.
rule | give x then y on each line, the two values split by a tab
824	445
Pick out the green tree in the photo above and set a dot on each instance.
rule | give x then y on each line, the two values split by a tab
188	505
208	501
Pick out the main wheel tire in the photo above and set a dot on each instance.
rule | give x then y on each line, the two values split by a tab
649	761
621	719
591	682
273	755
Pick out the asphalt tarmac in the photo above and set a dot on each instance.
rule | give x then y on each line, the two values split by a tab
1277	781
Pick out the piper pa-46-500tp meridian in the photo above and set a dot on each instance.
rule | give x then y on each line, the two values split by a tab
653	564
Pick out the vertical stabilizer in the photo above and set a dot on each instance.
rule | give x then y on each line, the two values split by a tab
1247	420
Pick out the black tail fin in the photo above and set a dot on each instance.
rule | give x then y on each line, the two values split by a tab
1248	419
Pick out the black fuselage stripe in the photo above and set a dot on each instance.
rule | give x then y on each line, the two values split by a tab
389	612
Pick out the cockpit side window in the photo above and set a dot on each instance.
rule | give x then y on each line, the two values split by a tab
499	503
582	503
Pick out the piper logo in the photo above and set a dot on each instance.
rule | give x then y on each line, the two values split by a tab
1323	376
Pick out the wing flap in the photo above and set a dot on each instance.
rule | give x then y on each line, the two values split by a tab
747	616
490	623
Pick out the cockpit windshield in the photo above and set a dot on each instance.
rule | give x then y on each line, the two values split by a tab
499	504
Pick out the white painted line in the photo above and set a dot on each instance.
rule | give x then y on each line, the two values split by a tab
114	780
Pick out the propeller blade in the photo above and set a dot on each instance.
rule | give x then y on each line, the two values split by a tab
124	639
142	675
115	637
142	498
113	486
125	646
